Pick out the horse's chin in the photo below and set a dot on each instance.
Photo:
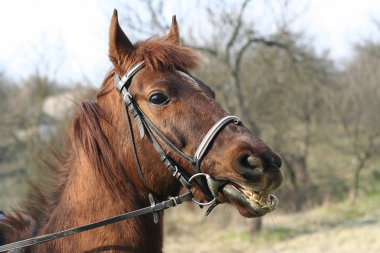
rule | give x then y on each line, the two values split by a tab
249	201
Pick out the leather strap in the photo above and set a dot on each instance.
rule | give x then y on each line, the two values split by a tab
204	146
150	209
125	80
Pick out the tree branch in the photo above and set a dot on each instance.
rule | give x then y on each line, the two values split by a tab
235	32
153	13
208	50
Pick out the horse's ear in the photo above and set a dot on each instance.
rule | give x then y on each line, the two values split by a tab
173	34
119	43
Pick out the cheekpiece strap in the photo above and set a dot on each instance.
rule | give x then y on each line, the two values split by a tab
122	86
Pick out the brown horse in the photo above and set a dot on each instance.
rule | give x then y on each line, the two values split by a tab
98	178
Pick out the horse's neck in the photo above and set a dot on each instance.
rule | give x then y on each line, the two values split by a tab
85	199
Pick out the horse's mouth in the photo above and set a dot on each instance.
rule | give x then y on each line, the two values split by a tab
249	201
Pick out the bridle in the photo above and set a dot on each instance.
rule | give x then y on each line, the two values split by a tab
146	127
208	185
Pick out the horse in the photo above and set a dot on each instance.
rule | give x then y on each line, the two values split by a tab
136	140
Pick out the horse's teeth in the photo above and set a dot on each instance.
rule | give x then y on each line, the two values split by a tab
262	199
256	197
246	192
265	197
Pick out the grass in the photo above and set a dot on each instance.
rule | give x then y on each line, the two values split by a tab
226	231
236	235
329	216
325	218
290	226
347	210
279	233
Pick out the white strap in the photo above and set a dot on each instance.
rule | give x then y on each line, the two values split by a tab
125	78
212	133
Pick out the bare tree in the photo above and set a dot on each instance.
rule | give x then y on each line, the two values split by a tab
357	104
288	102
232	37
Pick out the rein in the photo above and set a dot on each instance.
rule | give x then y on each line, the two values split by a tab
154	208
208	185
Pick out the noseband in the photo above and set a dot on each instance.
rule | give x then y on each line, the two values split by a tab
146	127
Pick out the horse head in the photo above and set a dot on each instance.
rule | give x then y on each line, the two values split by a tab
244	171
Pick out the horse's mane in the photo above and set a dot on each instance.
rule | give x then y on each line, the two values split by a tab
87	134
160	54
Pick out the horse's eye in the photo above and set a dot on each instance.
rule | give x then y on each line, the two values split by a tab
159	99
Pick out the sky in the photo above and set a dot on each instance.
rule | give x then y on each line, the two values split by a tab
68	39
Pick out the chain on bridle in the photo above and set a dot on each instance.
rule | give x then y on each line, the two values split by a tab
208	185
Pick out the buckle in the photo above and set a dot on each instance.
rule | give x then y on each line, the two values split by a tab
207	176
175	171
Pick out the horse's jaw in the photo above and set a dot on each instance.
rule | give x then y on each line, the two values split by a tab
250	202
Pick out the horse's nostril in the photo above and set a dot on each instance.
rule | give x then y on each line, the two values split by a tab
250	167
250	162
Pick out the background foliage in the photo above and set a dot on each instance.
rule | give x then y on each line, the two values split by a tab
322	117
